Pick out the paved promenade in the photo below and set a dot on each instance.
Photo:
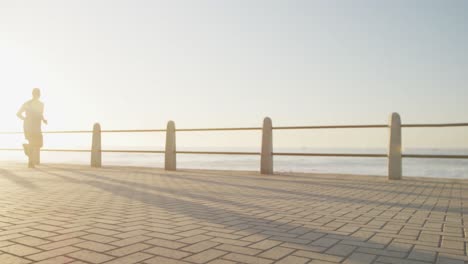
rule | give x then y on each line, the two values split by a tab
74	214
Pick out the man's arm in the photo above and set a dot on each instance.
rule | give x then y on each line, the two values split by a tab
20	112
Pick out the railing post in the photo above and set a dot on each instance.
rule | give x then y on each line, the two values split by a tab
170	153
96	151
394	148
266	159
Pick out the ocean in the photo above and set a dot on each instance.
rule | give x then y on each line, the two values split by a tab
437	168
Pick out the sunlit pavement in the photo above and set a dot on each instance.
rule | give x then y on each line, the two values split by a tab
75	214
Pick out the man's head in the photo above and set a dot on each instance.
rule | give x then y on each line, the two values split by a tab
36	93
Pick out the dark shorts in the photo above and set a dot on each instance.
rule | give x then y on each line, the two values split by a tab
35	139
33	133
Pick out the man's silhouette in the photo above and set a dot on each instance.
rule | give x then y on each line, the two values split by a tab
33	111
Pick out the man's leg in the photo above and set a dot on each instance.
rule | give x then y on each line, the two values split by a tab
31	156
32	147
40	143
35	145
37	155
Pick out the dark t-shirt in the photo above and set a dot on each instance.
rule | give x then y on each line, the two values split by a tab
34	110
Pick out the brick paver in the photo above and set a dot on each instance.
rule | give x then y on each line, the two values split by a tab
76	214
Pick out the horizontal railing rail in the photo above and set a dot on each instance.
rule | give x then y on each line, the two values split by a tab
134	151
328	127
304	154
133	131
370	155
436	125
218	153
217	129
66	150
52	132
394	156
49	150
429	156
244	128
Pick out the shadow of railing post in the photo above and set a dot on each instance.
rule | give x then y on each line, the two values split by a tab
96	148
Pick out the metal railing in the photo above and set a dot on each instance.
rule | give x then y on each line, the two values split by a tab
394	155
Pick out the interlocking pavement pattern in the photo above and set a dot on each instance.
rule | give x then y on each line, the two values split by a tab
76	214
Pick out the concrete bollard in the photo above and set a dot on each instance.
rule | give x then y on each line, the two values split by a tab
170	154
266	160
394	148
96	150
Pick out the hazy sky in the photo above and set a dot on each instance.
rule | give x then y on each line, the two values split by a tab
137	64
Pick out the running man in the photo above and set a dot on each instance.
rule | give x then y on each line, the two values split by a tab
33	118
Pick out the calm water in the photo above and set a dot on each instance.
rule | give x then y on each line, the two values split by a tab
443	168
